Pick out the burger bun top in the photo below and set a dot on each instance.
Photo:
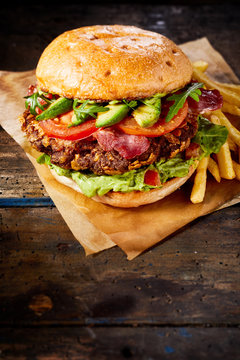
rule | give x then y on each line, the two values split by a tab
112	62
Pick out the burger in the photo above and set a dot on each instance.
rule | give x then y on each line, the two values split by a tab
116	114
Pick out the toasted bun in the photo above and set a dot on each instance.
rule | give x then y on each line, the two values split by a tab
112	62
132	199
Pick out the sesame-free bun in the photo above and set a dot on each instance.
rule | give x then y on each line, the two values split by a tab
134	198
112	62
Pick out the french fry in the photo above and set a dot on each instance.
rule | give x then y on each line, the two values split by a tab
224	157
227	94
232	146
215	119
233	132
214	169
200	180
232	87
231	109
236	168
225	163
200	65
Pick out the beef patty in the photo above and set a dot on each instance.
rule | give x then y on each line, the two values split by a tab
88	155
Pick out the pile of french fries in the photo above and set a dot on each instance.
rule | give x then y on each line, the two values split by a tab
225	164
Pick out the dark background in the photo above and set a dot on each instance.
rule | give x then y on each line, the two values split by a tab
179	300
27	27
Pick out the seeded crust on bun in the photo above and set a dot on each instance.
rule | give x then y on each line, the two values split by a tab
134	198
112	62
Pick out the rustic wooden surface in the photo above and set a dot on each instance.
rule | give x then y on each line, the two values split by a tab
180	300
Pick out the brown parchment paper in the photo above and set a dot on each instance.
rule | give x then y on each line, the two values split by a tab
97	226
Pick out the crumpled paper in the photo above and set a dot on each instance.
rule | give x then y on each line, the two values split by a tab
97	226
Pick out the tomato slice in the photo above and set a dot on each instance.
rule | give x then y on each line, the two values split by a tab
152	178
61	131
130	126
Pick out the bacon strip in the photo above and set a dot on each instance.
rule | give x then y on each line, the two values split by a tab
128	146
209	100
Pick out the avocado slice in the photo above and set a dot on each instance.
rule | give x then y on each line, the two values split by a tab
116	113
147	114
60	106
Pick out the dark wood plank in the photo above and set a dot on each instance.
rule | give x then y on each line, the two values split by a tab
18	177
119	343
193	278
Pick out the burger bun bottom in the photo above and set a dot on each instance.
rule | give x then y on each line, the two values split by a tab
134	198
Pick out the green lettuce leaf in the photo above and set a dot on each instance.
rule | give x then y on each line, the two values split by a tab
176	167
132	180
210	136
44	159
91	184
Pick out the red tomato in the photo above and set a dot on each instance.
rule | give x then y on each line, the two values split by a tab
66	118
60	131
130	126
38	110
152	178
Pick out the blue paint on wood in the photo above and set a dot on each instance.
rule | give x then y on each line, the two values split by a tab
183	332
104	321
121	319
26	202
169	350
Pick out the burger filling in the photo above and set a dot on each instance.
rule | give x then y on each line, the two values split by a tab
123	145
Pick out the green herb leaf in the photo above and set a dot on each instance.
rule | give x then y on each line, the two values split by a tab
195	95
132	104
34	101
179	99
85	110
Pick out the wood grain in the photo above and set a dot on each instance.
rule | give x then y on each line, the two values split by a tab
119	343
192	278
18	177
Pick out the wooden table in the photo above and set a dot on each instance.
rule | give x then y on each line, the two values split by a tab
180	300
